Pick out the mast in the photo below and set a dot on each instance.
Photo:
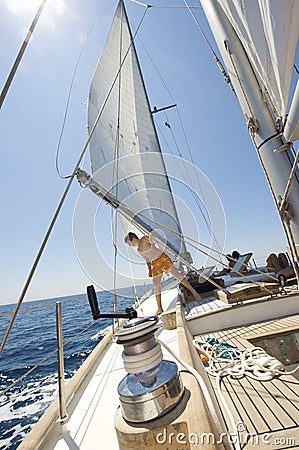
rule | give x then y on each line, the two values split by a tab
275	154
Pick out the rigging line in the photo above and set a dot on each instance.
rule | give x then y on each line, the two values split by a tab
175	254
187	184
44	360
217	60
196	175
288	186
70	92
21	53
39	254
37	308
215	259
191	190
56	214
167	123
116	166
183	174
164	7
286	226
173	232
176	234
183	129
287	229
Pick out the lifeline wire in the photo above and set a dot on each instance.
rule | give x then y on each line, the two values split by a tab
44	360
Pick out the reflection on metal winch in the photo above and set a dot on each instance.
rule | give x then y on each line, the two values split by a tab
152	386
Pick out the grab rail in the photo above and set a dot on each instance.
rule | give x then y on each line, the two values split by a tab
61	384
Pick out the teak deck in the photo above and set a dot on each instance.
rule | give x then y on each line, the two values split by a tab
269	410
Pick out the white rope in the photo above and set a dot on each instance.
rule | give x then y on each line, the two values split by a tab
142	362
252	362
237	363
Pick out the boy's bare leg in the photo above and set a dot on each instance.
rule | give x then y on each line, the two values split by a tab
185	283
157	292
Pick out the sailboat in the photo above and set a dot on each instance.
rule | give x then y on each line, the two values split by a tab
227	376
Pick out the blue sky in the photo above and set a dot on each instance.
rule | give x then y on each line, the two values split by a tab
31	119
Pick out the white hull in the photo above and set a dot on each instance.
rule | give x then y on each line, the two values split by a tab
93	404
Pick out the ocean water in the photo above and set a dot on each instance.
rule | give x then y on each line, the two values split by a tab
32	338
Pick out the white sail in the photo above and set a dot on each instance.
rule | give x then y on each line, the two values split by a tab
126	128
269	32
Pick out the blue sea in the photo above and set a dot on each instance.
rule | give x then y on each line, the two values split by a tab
32	338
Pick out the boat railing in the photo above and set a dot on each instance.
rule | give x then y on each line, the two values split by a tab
59	348
61	382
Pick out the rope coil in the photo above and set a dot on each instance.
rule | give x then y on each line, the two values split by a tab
227	360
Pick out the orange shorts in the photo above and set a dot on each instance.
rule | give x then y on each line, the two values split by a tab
161	264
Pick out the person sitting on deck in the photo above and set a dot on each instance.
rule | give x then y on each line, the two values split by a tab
232	259
158	263
280	265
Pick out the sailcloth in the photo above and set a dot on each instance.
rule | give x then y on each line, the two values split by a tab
125	153
269	31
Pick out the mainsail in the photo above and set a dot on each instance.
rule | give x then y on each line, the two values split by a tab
124	141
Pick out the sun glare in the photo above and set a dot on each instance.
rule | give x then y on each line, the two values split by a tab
18	7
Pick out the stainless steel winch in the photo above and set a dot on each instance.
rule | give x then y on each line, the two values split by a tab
152	386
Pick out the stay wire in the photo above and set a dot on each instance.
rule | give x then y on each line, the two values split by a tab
186	140
21	53
56	214
217	60
195	197
164	6
189	265
116	168
70	92
176	234
187	183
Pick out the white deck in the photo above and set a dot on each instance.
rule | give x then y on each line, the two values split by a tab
91	426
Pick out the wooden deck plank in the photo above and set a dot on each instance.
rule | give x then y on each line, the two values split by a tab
241	413
278	416
267	408
205	306
288	398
